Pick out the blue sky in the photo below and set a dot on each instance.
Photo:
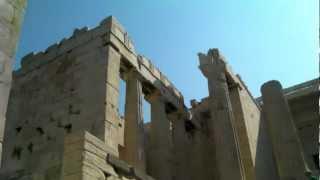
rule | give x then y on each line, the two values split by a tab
261	39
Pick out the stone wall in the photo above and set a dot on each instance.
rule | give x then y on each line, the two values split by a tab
65	95
11	15
74	86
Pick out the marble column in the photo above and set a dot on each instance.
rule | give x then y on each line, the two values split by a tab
221	128
160	140
11	16
134	152
285	142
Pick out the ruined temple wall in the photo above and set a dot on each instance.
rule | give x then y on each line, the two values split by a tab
65	95
74	86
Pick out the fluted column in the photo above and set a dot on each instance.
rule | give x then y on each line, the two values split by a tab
134	152
160	140
221	128
283	134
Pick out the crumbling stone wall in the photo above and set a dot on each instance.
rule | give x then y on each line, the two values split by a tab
59	97
74	86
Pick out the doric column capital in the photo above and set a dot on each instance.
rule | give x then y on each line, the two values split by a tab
212	62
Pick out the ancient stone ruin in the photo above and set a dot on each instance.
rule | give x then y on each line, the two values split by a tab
63	121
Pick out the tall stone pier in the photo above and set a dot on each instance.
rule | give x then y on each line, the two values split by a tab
283	134
11	15
133	135
221	128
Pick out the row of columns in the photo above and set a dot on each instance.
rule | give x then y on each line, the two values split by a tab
134	143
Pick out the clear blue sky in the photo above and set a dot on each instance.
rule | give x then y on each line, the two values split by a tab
261	39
